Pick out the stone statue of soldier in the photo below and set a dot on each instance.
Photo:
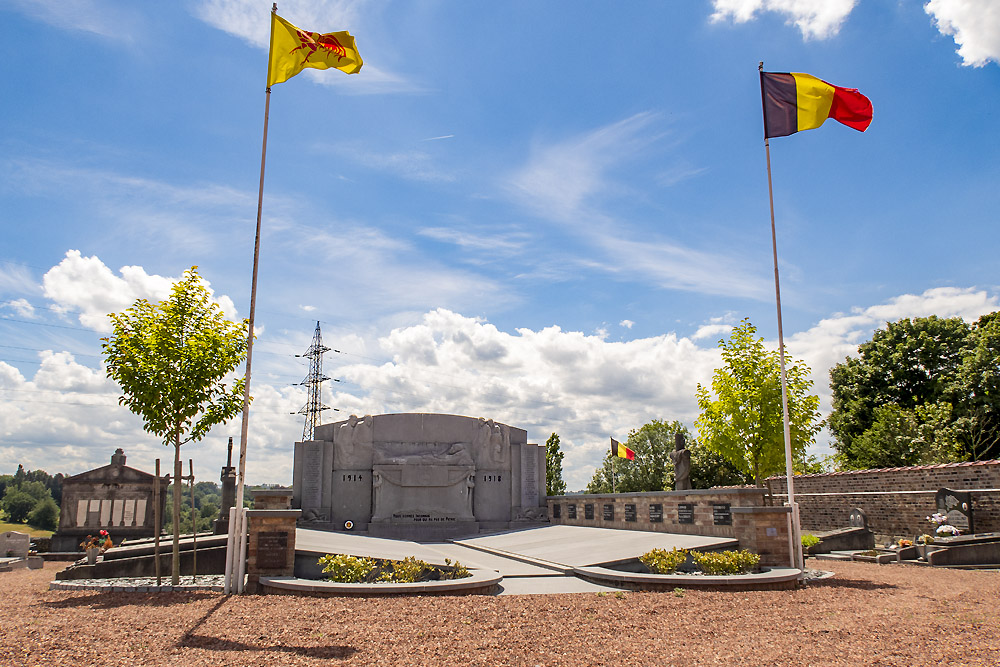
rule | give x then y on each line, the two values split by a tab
681	456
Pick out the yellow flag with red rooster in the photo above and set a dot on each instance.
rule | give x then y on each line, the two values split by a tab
294	49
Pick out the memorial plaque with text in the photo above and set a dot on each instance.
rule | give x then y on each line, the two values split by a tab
656	512
609	512
272	550
685	513
721	514
312	475
588	511
557	511
571	511
630	512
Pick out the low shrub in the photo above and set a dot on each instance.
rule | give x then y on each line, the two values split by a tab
661	561
354	570
726	562
809	540
347	569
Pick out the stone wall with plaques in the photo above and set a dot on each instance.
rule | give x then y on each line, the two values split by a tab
115	498
418	476
738	513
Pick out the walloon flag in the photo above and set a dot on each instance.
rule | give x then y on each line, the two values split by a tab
293	49
620	450
795	102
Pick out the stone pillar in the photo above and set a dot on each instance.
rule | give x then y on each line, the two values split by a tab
272	499
228	479
271	545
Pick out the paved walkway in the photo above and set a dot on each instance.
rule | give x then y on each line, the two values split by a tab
532	561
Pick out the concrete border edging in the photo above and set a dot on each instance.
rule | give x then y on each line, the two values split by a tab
481	582
778	578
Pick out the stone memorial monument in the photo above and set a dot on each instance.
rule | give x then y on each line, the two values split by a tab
114	498
418	476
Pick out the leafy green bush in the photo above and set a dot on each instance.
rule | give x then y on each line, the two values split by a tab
809	540
661	561
347	569
726	562
353	570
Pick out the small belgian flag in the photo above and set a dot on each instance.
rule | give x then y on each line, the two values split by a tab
620	450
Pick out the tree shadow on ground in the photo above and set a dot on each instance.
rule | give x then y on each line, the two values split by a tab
191	639
858	584
115	600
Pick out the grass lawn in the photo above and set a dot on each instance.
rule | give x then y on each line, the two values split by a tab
24	528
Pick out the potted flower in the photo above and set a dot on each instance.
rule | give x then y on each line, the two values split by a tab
96	545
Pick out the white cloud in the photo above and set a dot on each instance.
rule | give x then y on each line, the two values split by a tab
568	182
16	279
308	309
113	20
713	331
411	165
975	25
628	324
815	19
21	307
86	286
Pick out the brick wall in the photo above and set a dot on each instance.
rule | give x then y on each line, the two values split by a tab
896	500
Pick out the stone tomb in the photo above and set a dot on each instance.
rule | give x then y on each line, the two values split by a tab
418	476
114	498
14	544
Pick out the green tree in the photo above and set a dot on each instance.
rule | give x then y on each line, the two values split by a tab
18	504
171	360
925	390
652	469
45	515
554	484
743	423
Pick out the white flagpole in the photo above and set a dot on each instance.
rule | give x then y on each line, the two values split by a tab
795	537
235	553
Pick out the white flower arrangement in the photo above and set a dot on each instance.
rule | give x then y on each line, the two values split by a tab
946	529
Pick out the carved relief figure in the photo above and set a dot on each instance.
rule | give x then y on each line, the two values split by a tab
492	443
353	443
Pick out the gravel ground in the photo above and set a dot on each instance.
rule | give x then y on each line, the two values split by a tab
865	615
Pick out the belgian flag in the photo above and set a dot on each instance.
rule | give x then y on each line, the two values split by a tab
794	102
621	451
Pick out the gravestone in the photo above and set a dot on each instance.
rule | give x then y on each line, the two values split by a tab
858	518
957	506
14	544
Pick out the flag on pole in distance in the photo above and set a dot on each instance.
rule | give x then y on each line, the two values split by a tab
794	102
293	49
620	450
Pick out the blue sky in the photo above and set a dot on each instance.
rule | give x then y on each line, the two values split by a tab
544	213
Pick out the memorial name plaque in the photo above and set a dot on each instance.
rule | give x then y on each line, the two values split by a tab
128	513
609	512
588	511
630	512
656	512
571	511
272	548
721	514
529	476
685	513
557	511
312	475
